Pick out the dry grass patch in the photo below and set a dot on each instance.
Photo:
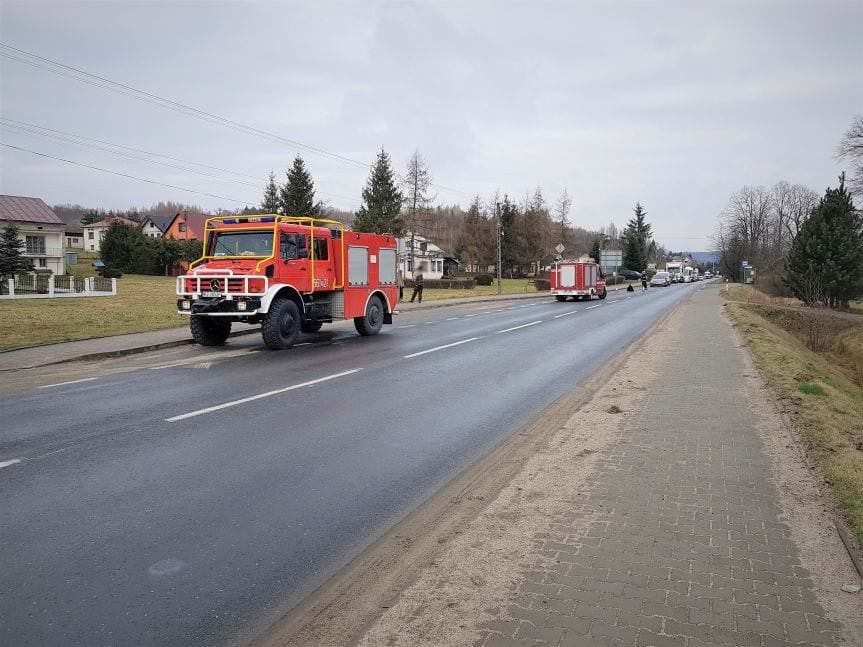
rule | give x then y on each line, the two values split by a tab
821	391
508	286
142	303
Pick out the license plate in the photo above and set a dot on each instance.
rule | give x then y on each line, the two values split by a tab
211	294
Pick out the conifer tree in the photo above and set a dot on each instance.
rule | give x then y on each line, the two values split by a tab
637	237
12	257
594	250
298	193
382	200
825	265
271	202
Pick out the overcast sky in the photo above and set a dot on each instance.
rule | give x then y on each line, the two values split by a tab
673	104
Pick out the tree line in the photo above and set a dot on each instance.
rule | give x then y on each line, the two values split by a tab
800	243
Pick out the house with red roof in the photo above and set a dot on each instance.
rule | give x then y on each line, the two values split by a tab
39	227
94	233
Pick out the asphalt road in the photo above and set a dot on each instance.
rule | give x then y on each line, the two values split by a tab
193	496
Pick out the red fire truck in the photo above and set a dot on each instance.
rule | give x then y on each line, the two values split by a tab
581	279
289	274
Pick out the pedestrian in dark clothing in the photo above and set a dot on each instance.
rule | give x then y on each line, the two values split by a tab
644	282
418	287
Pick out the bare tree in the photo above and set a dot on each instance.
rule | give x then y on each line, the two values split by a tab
417	182
850	149
802	201
561	212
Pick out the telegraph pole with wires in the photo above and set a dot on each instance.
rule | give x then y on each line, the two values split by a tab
499	236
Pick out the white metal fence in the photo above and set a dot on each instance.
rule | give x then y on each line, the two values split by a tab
42	286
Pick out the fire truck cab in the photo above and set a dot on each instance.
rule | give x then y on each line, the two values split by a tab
289	274
581	279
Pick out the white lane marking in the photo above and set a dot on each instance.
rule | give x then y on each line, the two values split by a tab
14	461
436	348
408	326
470	315
628	297
532	323
565	314
590	307
199	358
452	318
84	379
252	398
429	323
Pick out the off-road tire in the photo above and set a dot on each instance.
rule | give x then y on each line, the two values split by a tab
280	327
209	331
310	326
560	297
372	323
604	294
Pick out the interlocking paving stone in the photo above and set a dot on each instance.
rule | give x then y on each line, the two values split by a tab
678	539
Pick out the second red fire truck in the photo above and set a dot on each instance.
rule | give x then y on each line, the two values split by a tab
290	275
581	279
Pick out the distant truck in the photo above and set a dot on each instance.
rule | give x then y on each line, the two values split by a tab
290	275
674	268
577	279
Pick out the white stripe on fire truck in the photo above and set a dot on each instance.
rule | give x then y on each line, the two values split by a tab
252	398
431	350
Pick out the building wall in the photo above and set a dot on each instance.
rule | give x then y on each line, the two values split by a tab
43	244
93	237
75	240
151	231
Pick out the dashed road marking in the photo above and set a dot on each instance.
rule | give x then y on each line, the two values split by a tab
564	314
14	461
83	379
260	396
452	318
527	325
408	326
437	348
591	307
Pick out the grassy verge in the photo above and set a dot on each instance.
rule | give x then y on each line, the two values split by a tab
508	286
821	391
142	303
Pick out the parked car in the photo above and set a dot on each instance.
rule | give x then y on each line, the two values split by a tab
630	275
661	279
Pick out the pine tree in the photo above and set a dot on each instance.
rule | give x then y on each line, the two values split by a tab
561	210
509	246
382	200
298	193
637	237
825	265
594	250
12	257
271	202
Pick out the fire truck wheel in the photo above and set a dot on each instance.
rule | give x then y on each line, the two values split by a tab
560	297
312	326
281	325
209	331
603	295
373	321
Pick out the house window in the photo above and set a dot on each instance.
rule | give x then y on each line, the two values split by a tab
90	237
35	244
182	226
43	262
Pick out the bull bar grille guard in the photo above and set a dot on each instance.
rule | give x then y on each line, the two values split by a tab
225	277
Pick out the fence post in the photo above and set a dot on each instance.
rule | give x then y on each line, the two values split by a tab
51	286
88	284
12	287
114	287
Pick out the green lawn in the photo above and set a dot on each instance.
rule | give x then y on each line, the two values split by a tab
142	303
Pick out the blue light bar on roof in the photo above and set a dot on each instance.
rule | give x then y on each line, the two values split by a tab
230	221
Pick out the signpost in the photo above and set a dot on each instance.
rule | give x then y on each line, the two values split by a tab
610	260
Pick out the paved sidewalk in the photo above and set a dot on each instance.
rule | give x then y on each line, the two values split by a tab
679	540
141	342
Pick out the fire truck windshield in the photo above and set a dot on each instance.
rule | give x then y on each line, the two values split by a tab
241	243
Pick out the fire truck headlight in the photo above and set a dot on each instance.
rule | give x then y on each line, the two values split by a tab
186	304
241	306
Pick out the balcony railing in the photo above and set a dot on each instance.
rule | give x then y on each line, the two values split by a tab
43	251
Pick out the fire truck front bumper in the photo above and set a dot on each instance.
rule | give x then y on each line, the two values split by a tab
219	306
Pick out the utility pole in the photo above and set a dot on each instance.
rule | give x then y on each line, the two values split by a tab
499	235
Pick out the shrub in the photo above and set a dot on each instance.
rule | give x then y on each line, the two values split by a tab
811	389
444	284
110	273
542	285
484	279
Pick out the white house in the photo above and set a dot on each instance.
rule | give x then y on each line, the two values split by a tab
427	257
94	233
39	227
155	226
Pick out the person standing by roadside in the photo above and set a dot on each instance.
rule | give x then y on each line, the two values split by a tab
644	281
418	287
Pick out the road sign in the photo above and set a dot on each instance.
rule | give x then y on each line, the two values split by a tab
559	248
610	259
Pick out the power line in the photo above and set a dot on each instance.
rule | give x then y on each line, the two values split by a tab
126	175
56	67
34	130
